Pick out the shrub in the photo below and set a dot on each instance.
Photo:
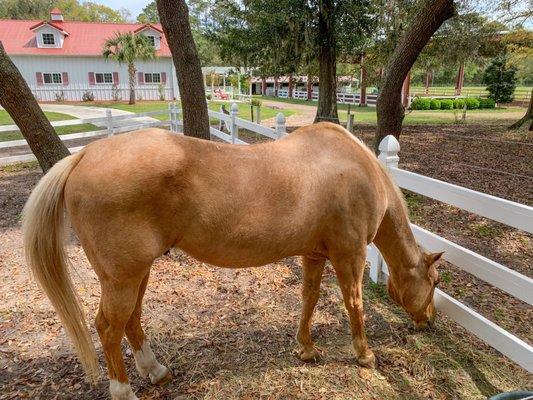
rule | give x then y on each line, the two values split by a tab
60	96
435	104
256	103
87	96
446	104
500	79
459	104
486	103
471	103
421	103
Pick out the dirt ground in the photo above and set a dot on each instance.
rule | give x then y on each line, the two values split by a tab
230	334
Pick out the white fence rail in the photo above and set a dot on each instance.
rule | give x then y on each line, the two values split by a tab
342	97
513	214
101	92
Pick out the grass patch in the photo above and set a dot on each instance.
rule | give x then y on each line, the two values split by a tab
485	229
21	166
5	118
60	130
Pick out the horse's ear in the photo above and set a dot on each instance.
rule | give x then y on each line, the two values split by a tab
433	257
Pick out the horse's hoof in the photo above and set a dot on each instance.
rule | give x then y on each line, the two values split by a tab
162	379
367	361
309	354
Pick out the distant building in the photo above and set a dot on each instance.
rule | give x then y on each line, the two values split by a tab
64	58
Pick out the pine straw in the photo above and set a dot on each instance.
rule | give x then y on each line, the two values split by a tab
229	334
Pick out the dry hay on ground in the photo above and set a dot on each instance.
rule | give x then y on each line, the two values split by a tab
229	334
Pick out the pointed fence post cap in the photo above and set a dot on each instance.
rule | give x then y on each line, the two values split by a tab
280	119
388	151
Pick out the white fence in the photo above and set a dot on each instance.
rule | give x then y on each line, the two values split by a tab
513	214
124	123
76	92
342	97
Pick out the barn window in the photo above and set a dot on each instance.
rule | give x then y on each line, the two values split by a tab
103	77
151	39
49	39
152	77
51	78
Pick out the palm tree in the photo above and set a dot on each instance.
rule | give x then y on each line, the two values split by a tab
126	48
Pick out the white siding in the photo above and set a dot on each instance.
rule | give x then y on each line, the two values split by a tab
78	69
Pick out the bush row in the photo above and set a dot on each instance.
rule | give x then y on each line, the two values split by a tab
425	103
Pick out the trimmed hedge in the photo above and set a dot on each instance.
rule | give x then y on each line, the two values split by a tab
471	103
446	104
459	104
421	103
435	104
486	103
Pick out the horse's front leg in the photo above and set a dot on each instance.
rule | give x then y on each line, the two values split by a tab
312	276
349	267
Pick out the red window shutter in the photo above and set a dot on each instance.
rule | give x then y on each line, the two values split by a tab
115	78
39	76
64	76
140	78
91	78
163	77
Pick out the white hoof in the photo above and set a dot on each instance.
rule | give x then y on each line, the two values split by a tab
121	391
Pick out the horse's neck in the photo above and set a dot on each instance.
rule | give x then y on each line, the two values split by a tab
394	238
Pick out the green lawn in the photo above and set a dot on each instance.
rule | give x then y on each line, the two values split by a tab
146	106
5	119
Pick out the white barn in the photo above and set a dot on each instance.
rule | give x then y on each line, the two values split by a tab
63	60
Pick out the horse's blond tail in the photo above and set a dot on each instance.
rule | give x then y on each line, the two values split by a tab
43	228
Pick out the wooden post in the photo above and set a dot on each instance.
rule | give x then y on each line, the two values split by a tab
429	75
459	82
109	122
258	115
234	129
281	129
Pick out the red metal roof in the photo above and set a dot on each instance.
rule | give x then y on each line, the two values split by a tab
85	38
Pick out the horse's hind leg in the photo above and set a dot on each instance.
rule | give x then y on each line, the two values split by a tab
117	304
349	267
145	360
312	276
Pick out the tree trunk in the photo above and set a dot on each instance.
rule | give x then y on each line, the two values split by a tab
290	86
327	60
263	86
426	21
309	87
18	100
131	72
526	119
362	77
174	16
405	90
428	81
459	82
276	85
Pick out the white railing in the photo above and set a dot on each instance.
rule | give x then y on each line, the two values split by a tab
513	214
111	124
342	97
231	122
101	92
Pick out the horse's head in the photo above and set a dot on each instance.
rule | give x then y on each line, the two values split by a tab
414	291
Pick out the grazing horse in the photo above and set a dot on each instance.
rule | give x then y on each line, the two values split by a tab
318	193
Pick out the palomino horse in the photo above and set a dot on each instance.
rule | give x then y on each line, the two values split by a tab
318	193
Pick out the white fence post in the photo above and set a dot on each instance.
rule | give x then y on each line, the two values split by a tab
234	129
388	156
178	126
109	122
388	151
280	125
171	116
258	115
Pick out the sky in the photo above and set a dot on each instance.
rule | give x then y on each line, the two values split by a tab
134	6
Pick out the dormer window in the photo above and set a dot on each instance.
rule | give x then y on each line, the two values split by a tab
49	39
151	39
